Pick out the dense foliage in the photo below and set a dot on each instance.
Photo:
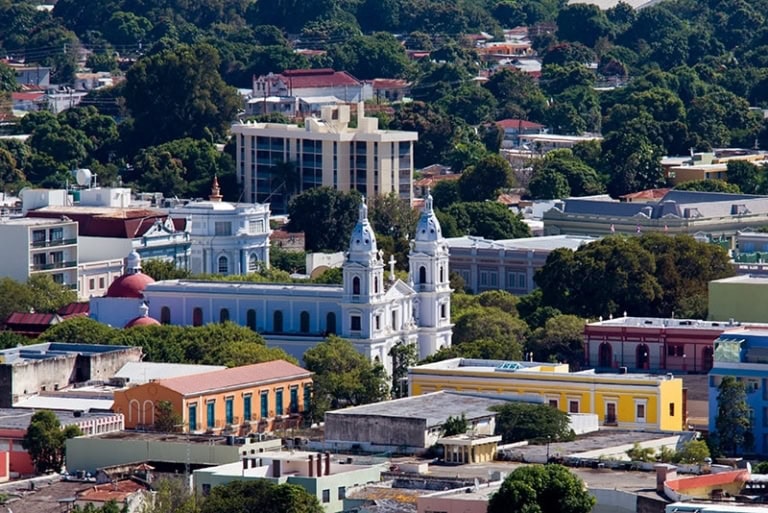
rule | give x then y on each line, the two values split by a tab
519	421
542	489
45	440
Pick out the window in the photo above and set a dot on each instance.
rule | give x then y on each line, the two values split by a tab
521	281
223	315
229	409
277	321
671	409
264	405
442	274
553	403
223	265
253	263
57	257
279	401
222	228
355	324
165	315
206	489
376	285
326	496
211	414
250	319
377	320
192	411
247	413
39	259
355	286
640	411
197	317
670	350
304	322
58	278
422	274
330	323
38	236
294	406
443	311
56	234
92	283
573	406
342	493
102	283
394	319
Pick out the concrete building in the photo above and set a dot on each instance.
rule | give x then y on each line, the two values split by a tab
326	152
743	356
110	225
226	239
515	128
91	453
40	246
38	76
237	401
632	401
139	373
463	500
410	424
373	313
505	264
323	476
653	344
706	214
312	83
739	297
15	421
28	370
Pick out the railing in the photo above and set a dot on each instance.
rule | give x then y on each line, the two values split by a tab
54	265
52	243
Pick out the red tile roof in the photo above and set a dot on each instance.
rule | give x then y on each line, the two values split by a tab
521	124
324	77
708	480
118	223
74	309
389	83
648	194
27	97
30	319
256	374
118	491
429	181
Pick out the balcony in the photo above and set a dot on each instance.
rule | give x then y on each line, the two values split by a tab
54	265
53	243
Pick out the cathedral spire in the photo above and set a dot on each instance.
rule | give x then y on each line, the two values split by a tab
363	211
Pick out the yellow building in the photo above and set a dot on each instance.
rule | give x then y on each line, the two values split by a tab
632	401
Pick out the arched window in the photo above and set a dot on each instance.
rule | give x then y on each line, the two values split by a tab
304	322
277	321
376	285
223	265
330	323
253	263
355	286
422	274
165	315
605	355
250	319
223	315
642	357
442	274
197	317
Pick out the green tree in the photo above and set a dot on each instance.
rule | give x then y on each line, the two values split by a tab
639	453
470	102
445	194
343	376
733	429
487	219
172	495
166	419
163	270
746	176
403	356
10	339
518	95
437	131
369	57
8	82
288	261
548	184
455	425
484	181
694	452
79	330
542	489
260	496
196	103
326	216
490	324
45	440
709	185
584	23
519	421
560	339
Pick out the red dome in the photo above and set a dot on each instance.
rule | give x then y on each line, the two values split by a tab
142	321
129	285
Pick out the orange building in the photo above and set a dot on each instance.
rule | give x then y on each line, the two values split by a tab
252	398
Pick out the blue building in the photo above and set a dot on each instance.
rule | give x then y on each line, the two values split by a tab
744	355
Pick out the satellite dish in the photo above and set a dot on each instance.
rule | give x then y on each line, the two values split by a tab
83	177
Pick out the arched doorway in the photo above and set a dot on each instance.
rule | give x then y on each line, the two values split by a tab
330	323
707	359
197	317
605	355
643	357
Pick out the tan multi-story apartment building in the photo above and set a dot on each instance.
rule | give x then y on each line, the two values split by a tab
39	246
326	151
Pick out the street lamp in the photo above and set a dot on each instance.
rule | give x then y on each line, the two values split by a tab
549	439
685	367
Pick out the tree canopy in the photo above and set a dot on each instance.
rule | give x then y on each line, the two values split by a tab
260	496
45	440
542	489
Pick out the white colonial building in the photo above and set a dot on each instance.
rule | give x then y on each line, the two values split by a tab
373	312
226	238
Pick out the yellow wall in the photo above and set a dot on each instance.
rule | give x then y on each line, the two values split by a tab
138	404
592	392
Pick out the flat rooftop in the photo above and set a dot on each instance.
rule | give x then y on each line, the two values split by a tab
46	350
60	402
756	279
179	438
434	408
659	322
32	221
547	243
144	372
245	287
19	418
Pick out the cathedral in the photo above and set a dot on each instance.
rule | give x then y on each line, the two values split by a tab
372	310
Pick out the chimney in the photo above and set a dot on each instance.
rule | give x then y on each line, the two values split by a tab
311	467
327	463
319	465
664	472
